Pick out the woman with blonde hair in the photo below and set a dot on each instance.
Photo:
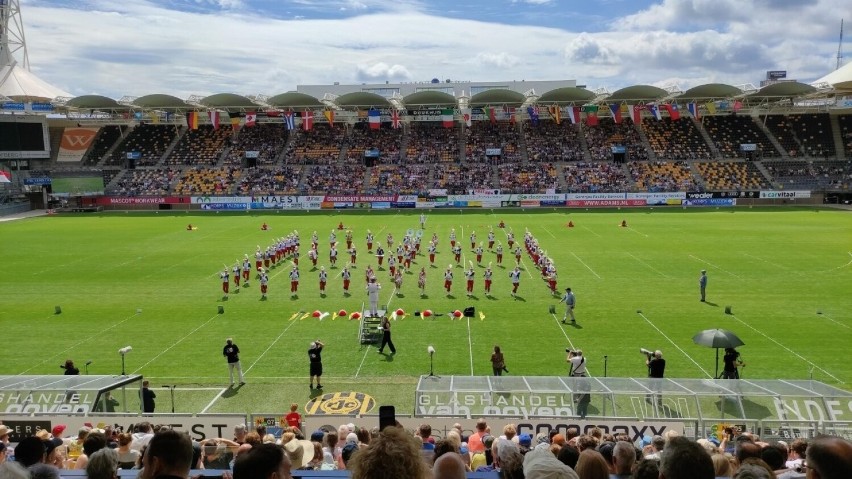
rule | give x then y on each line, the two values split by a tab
392	454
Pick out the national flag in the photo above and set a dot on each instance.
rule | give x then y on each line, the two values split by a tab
273	113
192	120
329	117
155	117
510	112
235	122
5	176
693	110
555	113
590	108
169	116
674	112
592	119
492	114
466	116
447	118
251	118
290	120
138	116
655	112
738	105
533	113
635	113
573	113
214	119
615	108
308	120
711	107
395	121
375	117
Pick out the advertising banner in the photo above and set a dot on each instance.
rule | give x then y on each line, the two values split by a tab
530	203
437	192
797	194
75	143
38	181
346	204
407	199
655	197
596	196
538	197
354	198
552	203
226	206
327	205
200	200
402	204
711	202
604	203
271	200
141	200
491	203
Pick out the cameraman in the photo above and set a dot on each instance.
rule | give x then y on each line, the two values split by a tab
70	369
577	362
656	365
732	364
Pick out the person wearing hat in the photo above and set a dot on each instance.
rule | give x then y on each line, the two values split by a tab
232	352
702	284
570	301
315	358
4	434
300	452
373	288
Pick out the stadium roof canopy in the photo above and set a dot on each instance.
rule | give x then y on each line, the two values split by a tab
840	79
639	93
19	84
782	90
429	97
498	96
710	91
566	95
160	102
228	100
361	99
293	99
95	102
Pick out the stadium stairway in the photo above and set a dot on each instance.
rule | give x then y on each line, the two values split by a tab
223	156
652	155
773	140
55	141
119	141
710	143
282	155
839	145
766	174
403	146
584	146
172	145
693	172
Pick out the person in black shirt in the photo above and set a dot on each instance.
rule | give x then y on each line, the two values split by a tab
732	364
70	369
386	336
656	365
148	397
315	357
232	352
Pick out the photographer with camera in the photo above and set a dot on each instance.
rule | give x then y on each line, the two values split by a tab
577	362
655	362
70	369
732	364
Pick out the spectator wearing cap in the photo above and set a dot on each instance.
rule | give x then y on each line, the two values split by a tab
55	453
524	443
31	453
4	434
58	430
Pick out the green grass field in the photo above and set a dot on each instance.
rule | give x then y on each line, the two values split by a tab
787	274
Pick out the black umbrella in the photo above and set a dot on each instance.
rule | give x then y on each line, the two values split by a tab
717	338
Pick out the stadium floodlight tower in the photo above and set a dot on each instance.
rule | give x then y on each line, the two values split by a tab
13	44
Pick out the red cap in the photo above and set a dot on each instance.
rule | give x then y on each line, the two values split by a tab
58	430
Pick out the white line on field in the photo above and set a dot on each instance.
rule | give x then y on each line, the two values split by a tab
525	268
674	344
548	232
584	264
570	343
592	231
839	267
78	343
636	231
714	266
786	348
175	343
826	316
393	293
664	275
208	406
771	263
270	346
470	345
362	361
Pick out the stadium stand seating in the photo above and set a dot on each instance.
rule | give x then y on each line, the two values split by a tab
601	138
810	175
551	142
728	132
403	179
388	141
336	179
814	133
845	122
268	139
106	137
482	136
281	180
208	181
151	141
676	139
458	179
430	142
147	182
598	177
528	178
201	147
317	146
732	176
782	129
662	176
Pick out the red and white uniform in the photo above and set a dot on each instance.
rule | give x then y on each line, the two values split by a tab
226	283
448	280
551	281
332	256
264	282
510	238
370	241
390	241
296	255
312	255
353	255
409	257
478	252
469	274
515	276
400	252
490	239
499	252
258	259
518	253
267	255
472	240
332	239
246	270
397	281
347	277
432	250
452	238
392	265
323	278
380	255
487	277
294	280
369	274
457	253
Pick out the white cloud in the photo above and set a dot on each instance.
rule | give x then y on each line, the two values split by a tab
381	71
499	60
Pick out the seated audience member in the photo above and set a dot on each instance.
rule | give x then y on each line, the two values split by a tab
592	465
539	463
168	456
449	466
441	447
32	454
265	461
753	468
127	458
647	469
829	457
392	454
685	459
623	458
103	464
94	442
217	453
722	465
569	455
509	460
798	450
428	448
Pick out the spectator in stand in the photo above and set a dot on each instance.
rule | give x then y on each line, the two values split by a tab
32	454
722	465
829	457
394	453
428	447
449	466
127	458
95	441
168	455
685	459
539	463
266	461
647	469
797	451
623	459
474	442
103	464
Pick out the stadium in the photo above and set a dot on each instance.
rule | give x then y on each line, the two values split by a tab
142	232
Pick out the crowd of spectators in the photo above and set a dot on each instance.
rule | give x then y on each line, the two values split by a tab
600	139
321	145
482	136
149	141
549	142
338	179
731	176
458	179
659	176
597	177
387	141
430	142
200	147
208	181
729	132
810	174
281	180
676	139
402	179
148	182
528	178
367	453
267	139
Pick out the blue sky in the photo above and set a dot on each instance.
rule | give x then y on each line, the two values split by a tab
186	47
